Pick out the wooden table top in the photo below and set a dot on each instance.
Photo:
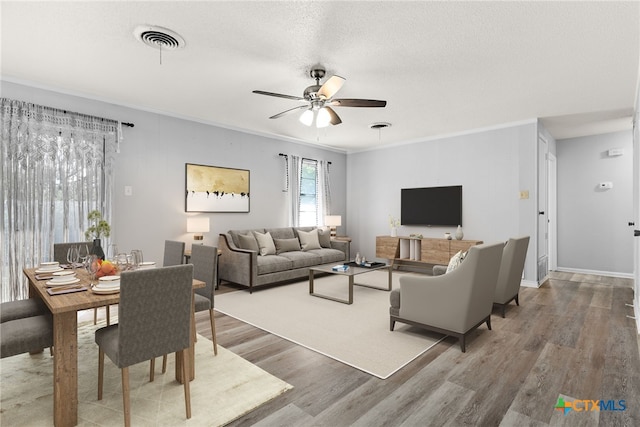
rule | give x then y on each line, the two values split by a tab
78	300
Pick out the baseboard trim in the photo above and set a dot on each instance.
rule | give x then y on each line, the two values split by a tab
530	284
596	272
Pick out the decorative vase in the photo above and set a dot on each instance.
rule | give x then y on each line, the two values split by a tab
97	249
447	236
459	233
394	231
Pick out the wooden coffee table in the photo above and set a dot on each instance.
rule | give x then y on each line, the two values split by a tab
350	273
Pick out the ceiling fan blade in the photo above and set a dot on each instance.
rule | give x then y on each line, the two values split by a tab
331	86
358	103
279	95
335	120
300	107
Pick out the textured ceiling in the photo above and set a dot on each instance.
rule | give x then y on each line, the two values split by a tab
443	67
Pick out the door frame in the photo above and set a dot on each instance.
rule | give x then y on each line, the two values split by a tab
552	208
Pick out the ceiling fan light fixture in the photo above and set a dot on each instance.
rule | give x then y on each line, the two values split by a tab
323	118
306	118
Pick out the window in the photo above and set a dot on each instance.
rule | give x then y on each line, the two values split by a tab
308	207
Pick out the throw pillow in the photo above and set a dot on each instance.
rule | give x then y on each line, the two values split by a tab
248	241
265	242
286	245
324	236
456	260
309	239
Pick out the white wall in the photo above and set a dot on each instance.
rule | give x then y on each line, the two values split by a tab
152	161
593	231
491	165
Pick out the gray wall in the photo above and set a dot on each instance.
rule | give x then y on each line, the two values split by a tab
593	235
492	166
152	161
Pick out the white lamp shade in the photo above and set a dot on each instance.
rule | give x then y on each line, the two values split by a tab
333	220
306	118
323	118
197	225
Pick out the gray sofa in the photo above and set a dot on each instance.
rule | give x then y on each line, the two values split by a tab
247	260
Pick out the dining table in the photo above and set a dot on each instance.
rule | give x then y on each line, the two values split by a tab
64	307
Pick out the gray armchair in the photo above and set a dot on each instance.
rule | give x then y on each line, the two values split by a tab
455	303
510	276
150	324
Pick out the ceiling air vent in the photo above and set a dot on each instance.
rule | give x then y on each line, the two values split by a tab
159	37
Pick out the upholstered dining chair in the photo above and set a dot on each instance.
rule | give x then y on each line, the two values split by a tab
455	303
60	250
173	253
205	268
25	325
154	318
510	276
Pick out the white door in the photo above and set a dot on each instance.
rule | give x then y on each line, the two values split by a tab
552	207
636	215
542	238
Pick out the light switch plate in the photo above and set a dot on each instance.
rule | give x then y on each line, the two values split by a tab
524	194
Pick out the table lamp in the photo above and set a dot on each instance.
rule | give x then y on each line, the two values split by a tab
333	221
197	226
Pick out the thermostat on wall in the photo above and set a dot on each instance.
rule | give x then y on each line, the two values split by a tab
615	152
607	185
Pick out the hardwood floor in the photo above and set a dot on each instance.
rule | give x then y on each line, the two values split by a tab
571	338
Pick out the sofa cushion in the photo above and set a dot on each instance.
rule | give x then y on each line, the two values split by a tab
286	245
248	241
328	255
301	259
309	240
281	233
235	233
324	236
273	264
455	261
265	242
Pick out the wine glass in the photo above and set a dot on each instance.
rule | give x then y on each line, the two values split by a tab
92	267
83	253
136	257
72	256
122	262
112	251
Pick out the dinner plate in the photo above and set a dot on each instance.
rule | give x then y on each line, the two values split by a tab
52	284
97	290
48	270
108	285
51	264
60	274
147	264
57	280
109	279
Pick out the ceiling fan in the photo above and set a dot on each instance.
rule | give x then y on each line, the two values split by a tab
318	100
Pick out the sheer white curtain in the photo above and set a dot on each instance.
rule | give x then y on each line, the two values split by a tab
56	167
295	168
323	189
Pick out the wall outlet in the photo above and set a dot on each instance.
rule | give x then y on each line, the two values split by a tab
128	190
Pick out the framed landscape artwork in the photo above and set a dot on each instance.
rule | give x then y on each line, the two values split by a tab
216	189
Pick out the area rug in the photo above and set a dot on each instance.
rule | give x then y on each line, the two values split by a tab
356	334
225	388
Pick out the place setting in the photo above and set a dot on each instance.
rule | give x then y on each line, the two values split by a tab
106	285
64	282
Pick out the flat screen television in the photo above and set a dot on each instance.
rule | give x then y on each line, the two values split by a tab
431	206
